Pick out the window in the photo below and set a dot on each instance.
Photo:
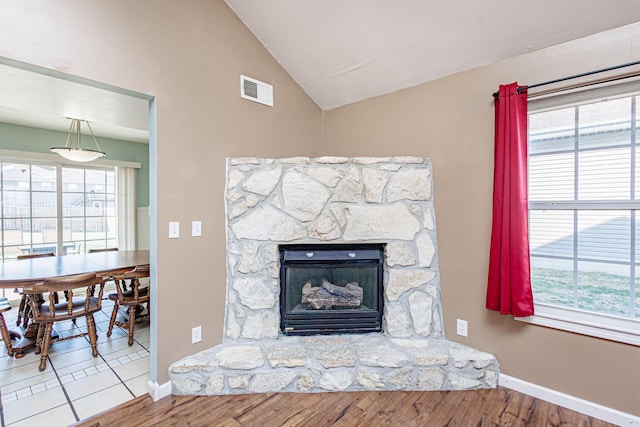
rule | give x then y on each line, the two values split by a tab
584	217
55	208
88	208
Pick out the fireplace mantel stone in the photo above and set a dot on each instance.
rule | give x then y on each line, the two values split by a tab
333	200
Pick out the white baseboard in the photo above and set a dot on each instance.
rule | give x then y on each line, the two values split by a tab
158	391
574	403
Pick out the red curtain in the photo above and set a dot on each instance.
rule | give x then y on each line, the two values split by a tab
509	287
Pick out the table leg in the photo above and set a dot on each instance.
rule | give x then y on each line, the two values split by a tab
26	339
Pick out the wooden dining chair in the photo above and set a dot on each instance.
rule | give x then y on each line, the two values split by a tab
23	308
91	251
135	297
5	305
46	312
40	255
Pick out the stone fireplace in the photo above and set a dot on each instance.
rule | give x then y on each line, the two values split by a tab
317	225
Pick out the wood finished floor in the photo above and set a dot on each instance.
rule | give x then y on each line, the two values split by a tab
496	407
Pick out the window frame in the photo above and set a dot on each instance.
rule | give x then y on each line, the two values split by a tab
600	325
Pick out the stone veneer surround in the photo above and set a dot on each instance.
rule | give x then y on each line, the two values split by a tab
333	200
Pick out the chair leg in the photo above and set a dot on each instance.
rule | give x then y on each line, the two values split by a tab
6	337
112	321
39	336
132	322
22	314
26	316
45	346
93	336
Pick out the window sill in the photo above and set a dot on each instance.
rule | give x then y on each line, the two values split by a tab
586	323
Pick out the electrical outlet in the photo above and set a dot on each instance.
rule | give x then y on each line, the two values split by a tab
196	334
462	328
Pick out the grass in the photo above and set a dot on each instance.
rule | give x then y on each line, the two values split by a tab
598	292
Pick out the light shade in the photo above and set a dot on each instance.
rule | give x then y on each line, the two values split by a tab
75	152
78	154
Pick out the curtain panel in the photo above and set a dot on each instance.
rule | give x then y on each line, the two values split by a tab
127	207
509	284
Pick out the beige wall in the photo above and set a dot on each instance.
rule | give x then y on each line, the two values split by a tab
189	55
451	121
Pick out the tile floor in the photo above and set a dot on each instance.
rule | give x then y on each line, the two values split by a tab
75	385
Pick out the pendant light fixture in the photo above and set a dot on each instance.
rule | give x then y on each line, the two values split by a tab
75	152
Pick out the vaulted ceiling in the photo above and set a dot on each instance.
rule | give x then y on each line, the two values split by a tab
343	51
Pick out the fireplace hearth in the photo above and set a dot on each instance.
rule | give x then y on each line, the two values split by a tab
329	289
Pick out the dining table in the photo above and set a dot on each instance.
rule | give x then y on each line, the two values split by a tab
27	272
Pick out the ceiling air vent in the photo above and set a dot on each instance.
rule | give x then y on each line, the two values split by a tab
255	90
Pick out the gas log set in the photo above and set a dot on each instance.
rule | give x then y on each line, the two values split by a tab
328	295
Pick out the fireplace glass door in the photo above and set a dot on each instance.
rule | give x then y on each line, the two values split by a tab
327	289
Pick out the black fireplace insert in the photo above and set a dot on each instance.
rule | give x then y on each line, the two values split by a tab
331	288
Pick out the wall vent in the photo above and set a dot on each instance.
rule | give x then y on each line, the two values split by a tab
255	90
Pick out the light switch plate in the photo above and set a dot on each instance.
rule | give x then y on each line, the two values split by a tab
174	230
196	228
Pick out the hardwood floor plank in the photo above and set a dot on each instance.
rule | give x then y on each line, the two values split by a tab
461	406
491	404
366	400
517	409
333	410
442	413
278	407
478	408
428	405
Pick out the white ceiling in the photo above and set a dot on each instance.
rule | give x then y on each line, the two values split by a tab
35	99
343	51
